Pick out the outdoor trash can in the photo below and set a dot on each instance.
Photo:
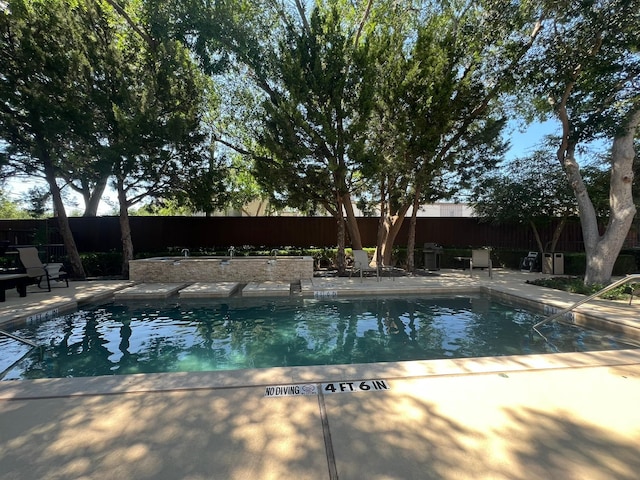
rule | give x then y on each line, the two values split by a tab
432	253
558	263
547	263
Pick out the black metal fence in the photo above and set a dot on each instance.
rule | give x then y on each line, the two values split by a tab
150	234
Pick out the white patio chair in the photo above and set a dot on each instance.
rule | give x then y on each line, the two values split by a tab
481	258
362	264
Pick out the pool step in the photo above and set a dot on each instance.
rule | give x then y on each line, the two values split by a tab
267	289
149	290
209	290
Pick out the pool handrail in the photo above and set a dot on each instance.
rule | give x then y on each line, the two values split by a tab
611	286
18	339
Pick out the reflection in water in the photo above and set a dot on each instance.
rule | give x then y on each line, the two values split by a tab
238	333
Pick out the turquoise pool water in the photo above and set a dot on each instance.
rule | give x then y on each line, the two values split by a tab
240	333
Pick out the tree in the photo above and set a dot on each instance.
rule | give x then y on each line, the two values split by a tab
42	87
315	119
308	74
319	74
244	189
37	198
531	191
438	120
586	77
224	177
91	90
58	41
153	135
145	96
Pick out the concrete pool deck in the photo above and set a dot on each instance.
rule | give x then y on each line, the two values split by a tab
564	416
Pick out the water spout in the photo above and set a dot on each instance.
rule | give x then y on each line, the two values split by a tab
274	252
185	252
231	251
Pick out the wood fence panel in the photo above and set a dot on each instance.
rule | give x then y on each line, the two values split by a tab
151	234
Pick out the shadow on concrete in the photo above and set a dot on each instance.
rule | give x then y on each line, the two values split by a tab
553	445
200	434
487	426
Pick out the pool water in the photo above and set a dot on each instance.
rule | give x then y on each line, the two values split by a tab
239	333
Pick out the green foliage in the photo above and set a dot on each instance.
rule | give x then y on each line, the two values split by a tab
576	285
48	74
153	134
162	208
38	200
102	264
314	118
590	53
10	209
92	91
527	189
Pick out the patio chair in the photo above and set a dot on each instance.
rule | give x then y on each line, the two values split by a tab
362	264
38	271
481	258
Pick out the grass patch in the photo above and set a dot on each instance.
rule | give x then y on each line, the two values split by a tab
576	285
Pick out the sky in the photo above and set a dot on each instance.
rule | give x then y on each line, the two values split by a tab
524	142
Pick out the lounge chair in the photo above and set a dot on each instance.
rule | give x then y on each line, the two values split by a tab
362	264
481	259
38	271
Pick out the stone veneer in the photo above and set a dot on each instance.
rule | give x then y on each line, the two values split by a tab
221	269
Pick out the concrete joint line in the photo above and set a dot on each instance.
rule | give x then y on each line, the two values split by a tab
326	433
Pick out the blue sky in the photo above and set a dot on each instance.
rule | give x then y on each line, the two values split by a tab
525	142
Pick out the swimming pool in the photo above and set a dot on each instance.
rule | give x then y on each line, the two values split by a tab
239	333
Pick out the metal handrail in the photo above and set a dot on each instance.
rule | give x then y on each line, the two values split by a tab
19	339
615	284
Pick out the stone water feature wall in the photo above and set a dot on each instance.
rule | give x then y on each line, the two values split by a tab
221	269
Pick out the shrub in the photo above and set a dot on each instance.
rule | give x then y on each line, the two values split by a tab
576	285
102	264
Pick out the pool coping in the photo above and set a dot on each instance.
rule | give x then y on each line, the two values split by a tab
282	376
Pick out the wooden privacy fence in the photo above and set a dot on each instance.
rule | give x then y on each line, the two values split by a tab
102	234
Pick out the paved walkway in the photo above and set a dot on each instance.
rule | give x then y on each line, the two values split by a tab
562	416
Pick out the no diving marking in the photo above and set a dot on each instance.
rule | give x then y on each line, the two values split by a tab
326	388
290	390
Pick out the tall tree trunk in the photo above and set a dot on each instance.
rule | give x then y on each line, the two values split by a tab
352	222
411	240
125	229
602	250
387	234
602	257
557	232
77	270
389	227
340	260
92	198
536	235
